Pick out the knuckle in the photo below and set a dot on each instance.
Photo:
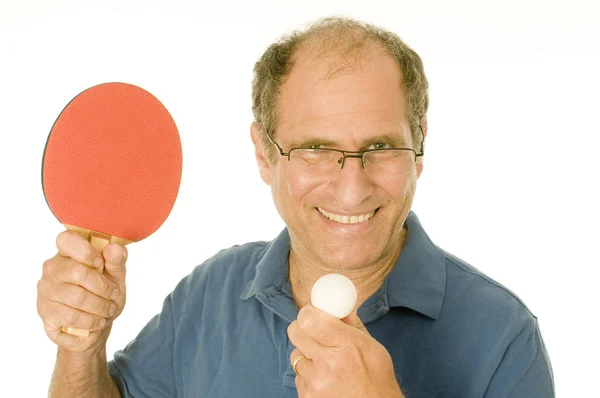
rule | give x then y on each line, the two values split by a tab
109	309
102	307
41	308
320	384
60	238
78	274
87	254
47	266
101	286
306	323
335	366
291	329
63	239
71	318
41	287
76	296
90	323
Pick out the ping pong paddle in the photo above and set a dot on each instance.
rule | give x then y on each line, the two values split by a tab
112	166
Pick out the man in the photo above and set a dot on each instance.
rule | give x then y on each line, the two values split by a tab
340	121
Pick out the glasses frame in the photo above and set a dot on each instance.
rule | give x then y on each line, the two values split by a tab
351	154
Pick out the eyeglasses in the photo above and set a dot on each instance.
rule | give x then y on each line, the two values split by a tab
326	162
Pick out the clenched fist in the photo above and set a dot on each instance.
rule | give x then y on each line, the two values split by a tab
81	288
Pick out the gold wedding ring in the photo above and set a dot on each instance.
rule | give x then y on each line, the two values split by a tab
296	363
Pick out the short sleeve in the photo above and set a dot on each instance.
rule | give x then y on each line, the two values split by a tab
146	366
525	370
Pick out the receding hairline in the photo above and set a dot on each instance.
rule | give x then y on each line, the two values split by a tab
347	46
344	41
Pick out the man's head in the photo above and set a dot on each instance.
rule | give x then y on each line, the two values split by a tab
345	85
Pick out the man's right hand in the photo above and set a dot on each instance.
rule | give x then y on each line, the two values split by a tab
72	293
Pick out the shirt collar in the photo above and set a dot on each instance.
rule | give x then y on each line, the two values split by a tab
272	268
418	280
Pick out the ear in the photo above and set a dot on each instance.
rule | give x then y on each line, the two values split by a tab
259	151
420	158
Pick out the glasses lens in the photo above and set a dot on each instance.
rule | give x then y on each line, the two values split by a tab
316	162
389	161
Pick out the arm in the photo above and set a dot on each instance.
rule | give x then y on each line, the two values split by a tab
82	375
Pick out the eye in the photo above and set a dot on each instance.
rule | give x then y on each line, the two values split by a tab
380	145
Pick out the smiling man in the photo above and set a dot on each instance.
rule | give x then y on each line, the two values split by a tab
340	124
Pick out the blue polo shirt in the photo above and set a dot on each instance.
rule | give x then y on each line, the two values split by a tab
451	331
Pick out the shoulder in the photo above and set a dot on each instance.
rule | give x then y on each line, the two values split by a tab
476	295
233	259
228	270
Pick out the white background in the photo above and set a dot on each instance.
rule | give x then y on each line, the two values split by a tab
511	171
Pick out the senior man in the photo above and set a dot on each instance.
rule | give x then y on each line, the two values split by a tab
340	124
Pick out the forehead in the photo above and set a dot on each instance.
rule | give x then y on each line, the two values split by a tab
360	100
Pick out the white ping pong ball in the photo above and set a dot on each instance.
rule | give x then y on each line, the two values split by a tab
335	294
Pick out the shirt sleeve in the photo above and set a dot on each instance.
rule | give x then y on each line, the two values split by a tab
145	367
525	370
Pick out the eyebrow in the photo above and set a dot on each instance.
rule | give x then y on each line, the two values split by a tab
396	140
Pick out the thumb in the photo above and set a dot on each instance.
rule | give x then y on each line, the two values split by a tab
115	257
353	320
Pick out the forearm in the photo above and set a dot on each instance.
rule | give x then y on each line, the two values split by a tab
80	375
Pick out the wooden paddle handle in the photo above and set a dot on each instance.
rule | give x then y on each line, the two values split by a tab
99	241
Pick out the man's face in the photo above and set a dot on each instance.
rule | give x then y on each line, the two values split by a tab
345	112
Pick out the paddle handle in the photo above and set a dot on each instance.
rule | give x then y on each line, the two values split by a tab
99	241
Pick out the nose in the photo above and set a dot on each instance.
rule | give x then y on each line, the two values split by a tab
351	185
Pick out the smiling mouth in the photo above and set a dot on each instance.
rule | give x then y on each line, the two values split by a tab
348	219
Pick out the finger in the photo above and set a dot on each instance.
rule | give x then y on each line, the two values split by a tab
115	257
80	274
301	386
322	327
304	365
302	341
58	315
79	298
353	320
70	244
72	342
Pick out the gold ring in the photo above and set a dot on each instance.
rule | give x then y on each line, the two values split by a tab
296	363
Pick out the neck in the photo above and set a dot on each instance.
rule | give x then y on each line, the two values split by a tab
303	274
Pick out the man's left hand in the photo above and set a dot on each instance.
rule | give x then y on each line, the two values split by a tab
341	358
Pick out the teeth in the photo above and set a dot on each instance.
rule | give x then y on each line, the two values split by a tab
346	219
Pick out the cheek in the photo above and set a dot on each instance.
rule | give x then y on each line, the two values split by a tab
400	187
298	187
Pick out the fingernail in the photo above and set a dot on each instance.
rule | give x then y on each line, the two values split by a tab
102	322
98	262
112	309
114	294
